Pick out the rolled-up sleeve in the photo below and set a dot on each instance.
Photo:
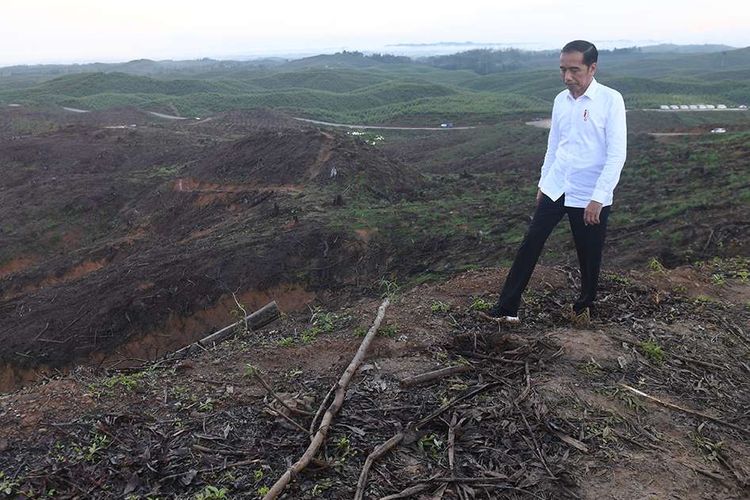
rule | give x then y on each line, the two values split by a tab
616	137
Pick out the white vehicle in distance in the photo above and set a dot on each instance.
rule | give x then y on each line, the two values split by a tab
718	130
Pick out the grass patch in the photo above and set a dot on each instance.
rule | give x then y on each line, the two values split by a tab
652	351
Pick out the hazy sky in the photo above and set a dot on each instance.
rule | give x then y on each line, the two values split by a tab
43	31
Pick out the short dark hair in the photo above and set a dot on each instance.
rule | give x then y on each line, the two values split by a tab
588	49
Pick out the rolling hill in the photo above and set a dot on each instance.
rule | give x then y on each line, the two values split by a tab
472	87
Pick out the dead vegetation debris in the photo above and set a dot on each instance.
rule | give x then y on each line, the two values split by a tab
543	411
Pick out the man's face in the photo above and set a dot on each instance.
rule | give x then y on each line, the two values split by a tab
575	74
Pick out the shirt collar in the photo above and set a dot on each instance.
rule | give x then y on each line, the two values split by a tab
591	91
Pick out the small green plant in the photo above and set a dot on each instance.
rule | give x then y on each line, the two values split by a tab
388	288
590	368
479	304
320	322
286	342
704	299
8	486
389	331
206	405
620	280
439	307
258	475
718	279
681	289
360	331
212	493
321	486
458	387
251	371
711	450
263	491
324	321
430	445
57	453
653	351
441	356
98	443
309	335
129	382
342	445
655	265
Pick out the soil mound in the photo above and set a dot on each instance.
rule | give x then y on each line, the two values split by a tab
269	157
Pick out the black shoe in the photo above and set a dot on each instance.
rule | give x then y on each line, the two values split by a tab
497	314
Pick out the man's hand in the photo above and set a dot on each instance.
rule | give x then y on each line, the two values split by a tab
538	196
591	213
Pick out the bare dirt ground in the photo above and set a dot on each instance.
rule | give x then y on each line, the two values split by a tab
541	411
111	233
126	236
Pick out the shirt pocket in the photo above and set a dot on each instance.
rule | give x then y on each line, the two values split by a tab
596	121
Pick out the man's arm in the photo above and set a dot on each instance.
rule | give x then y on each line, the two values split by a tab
552	141
617	138
617	135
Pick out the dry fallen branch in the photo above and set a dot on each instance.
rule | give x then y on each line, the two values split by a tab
408	492
698	362
256	375
453	402
497	359
537	448
685	410
338	401
285	417
435	375
452	444
321	409
705	472
376	453
260	318
571	441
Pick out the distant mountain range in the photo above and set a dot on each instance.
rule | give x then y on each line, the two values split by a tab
412	50
447	47
686	49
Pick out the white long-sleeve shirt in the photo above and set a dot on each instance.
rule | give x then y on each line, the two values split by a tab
586	146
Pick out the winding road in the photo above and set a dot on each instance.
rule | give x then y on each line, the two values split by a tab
381	127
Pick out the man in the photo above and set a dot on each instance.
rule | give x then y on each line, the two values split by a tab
585	155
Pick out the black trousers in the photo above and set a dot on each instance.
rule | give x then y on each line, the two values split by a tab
589	242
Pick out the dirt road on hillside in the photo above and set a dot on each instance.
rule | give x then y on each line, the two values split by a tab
381	127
